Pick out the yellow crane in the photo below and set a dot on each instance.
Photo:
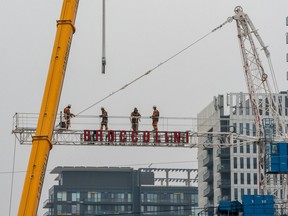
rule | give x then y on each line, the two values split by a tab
42	141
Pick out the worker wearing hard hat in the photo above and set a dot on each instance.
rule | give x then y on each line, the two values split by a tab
68	115
104	121
135	118
155	118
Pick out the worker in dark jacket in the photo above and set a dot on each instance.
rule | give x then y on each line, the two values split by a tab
68	115
104	121
135	118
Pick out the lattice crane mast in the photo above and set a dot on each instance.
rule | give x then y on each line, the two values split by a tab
262	98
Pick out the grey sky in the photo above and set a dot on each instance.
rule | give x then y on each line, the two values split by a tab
140	35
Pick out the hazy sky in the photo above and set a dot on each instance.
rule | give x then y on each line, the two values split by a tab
140	34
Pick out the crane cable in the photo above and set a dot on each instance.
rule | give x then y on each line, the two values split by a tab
230	19
103	39
12	177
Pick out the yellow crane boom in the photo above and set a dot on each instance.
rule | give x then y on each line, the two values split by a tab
41	144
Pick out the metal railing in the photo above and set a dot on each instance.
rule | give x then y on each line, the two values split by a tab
24	128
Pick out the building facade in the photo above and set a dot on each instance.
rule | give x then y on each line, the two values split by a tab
88	191
228	173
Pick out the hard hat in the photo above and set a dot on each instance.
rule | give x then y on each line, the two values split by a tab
69	105
154	106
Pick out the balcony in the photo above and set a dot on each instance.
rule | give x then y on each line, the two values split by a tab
48	203
224	168
207	176
208	191
108	201
207	160
224	183
47	214
223	152
168	201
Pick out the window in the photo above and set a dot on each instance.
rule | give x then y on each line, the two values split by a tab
194	199
59	209
129	197
254	148
248	178
274	149
235	178
260	106
255	178
75	209
255	192
266	107
247	148
254	163
247	129
119	208
235	149
61	196
235	194
242	178
75	197
152	197
241	148
248	163
241	163
241	128
254	130
240	108
177	197
94	196
235	162
235	127
152	209
242	192
90	209
247	107
118	197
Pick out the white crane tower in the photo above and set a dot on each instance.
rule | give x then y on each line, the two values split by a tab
270	129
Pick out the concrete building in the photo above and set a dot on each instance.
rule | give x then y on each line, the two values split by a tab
227	173
88	191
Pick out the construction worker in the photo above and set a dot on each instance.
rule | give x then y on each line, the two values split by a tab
135	118
155	118
104	116
68	115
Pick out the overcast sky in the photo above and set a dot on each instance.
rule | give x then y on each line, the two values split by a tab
140	34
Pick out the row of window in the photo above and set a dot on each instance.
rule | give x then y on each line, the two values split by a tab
167	210
240	162
126	197
169	197
245	149
93	196
264	107
249	129
66	209
251	178
120	209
